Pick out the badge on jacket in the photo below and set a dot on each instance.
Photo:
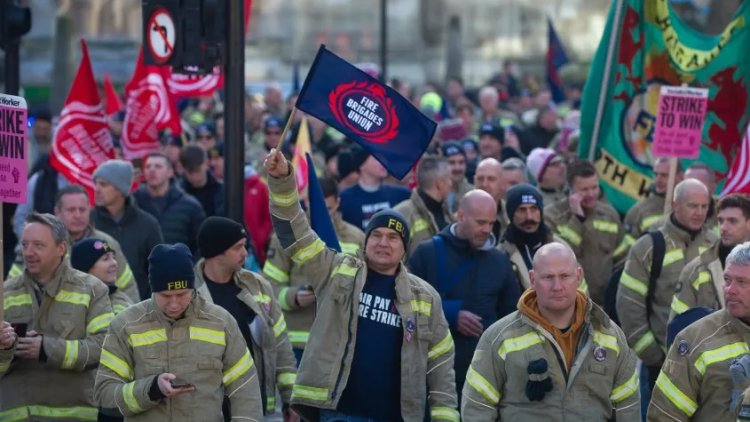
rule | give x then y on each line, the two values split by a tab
600	353
410	327
682	347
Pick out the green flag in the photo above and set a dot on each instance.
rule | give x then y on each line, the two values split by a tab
646	45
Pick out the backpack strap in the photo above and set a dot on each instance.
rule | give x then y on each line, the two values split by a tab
447	281
657	259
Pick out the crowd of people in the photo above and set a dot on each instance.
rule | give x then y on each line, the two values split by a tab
495	281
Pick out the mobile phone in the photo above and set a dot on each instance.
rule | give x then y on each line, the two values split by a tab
20	328
180	383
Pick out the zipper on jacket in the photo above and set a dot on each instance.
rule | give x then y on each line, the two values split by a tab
348	341
556	349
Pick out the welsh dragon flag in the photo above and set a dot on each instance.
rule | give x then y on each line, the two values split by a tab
646	45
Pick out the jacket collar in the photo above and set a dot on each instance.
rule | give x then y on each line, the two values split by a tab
52	288
249	293
680	233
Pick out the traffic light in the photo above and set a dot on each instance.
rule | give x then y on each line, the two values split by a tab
15	21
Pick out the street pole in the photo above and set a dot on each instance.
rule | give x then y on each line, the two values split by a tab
234	112
12	87
383	41
12	65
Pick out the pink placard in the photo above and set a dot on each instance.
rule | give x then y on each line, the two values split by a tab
679	122
14	149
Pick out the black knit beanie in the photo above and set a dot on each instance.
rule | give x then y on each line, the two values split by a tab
392	220
170	267
520	194
85	253
217	234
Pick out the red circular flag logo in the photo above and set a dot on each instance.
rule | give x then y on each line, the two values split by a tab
363	108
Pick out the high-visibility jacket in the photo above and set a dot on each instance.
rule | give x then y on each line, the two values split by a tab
517	261
647	334
701	283
645	216
72	313
695	383
125	282
272	352
598	241
602	383
422	224
204	348
427	351
286	278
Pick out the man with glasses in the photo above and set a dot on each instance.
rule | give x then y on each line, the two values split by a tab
205	136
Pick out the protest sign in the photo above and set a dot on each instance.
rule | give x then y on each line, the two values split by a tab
13	149
679	121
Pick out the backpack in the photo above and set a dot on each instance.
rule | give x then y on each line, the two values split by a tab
610	297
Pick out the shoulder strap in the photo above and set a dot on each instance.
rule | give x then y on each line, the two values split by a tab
447	281
657	259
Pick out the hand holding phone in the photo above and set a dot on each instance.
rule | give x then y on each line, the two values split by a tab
180	383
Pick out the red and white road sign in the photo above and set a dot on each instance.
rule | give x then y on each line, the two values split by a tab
161	35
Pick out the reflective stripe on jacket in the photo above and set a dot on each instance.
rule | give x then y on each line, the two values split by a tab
602	381
205	348
701	283
422	224
72	312
337	280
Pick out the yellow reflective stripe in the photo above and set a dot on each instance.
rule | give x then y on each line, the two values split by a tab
298	336
117	308
14	415
16	300
77	412
15	271
584	286
677	397
702	249
99	323
646	340
445	346
275	272
345	269
482	386
310	393
280	326
284	199
349	248
569	234
148	337
516	344
605	226
606	340
634	284
4	366
444	413
421	306
262	298
308	252
71	354
286	379
678	306
282	299
622	392
117	365
630	239
703	277
270	404
238	369
208	335
623	247
125	278
649	221
129	397
673	256
419	225
721	354
73	297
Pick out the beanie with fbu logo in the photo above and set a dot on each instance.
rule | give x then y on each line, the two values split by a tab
389	219
170	267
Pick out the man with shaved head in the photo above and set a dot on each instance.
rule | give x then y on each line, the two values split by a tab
489	178
474	279
646	303
559	357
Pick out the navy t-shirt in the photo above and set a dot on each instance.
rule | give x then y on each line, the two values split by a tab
358	205
373	389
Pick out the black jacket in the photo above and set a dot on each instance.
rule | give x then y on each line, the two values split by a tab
210	195
180	218
137	232
487	287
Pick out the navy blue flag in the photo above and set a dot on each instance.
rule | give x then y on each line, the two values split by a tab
320	220
374	115
556	58
295	77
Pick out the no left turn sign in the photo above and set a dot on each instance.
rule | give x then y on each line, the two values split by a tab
161	35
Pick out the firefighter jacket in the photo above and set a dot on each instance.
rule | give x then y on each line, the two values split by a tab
645	216
647	333
204	348
125	282
422	224
286	278
272	352
695	382
701	283
598	241
337	279
72	313
518	263
602	383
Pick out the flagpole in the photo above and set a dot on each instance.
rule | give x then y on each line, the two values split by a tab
607	67
286	127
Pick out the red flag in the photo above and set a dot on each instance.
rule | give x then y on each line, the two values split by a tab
738	178
82	140
149	109
114	103
194	86
247	10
